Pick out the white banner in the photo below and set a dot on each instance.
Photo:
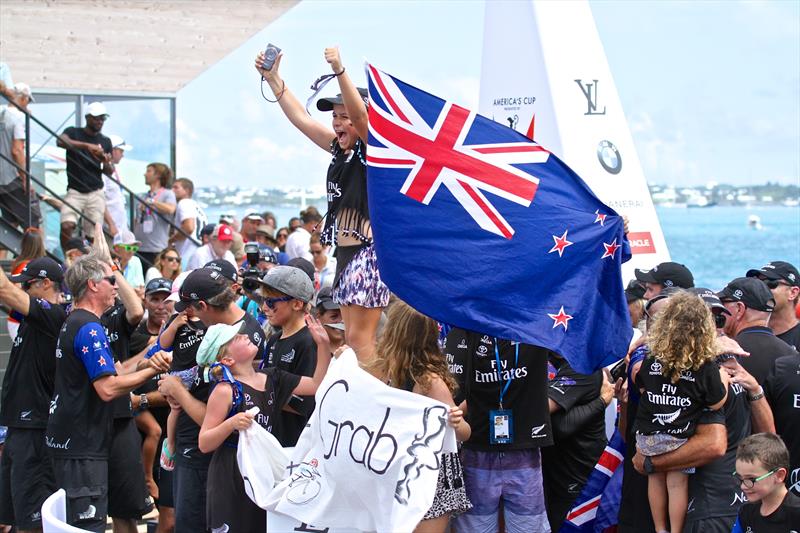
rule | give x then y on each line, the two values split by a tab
369	458
544	72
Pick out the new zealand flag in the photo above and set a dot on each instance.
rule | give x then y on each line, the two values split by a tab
477	226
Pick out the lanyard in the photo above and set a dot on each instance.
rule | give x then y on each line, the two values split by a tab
499	368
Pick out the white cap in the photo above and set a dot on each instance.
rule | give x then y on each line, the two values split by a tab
96	109
174	296
119	142
24	89
126	236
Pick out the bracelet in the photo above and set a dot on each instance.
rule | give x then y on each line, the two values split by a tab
757	396
278	96
342	72
114	266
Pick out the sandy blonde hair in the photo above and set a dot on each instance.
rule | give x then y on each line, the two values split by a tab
409	348
682	335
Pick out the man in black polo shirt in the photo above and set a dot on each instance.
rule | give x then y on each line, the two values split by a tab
206	296
128	498
26	477
88	158
577	404
783	280
81	413
782	389
503	393
664	276
750	303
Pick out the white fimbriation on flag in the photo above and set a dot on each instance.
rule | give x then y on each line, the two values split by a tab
544	70
369	458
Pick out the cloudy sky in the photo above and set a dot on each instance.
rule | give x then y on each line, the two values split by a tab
711	90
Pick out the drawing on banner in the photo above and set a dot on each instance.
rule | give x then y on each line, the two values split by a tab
434	423
304	486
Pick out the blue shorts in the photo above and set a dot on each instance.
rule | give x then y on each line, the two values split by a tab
515	477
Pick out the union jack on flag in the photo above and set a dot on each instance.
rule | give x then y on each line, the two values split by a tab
478	226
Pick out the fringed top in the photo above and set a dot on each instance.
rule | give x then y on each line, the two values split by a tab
348	210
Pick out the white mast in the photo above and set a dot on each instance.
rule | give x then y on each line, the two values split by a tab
544	68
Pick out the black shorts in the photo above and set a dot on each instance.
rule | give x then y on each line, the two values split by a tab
86	483
189	494
164	480
127	493
26	478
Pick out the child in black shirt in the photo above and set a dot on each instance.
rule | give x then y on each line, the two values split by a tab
678	381
762	464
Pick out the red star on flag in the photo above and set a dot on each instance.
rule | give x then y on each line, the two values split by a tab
601	218
85	349
93	333
561	319
101	361
560	244
610	249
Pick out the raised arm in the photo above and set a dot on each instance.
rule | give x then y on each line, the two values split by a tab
133	304
13	296
356	110
291	106
308	385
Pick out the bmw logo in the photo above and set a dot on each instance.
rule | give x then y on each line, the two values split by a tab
609	157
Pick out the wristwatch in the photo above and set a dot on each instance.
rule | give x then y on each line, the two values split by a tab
757	396
143	402
648	465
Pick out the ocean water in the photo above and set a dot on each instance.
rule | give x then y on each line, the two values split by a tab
717	245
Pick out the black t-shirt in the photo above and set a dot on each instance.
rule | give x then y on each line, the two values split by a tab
184	356
713	491
28	382
119	330
782	390
569	461
296	354
84	172
256	334
80	422
276	394
471	359
784	519
791	336
141	338
764	348
673	408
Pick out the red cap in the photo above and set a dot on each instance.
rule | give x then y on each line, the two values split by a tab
224	233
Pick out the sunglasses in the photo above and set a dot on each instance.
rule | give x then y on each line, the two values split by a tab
283	235
111	279
172	259
272	301
127	247
775	283
749	482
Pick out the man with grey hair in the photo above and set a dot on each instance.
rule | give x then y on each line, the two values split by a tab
79	428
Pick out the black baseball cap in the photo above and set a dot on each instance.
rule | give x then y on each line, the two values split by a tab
303	264
77	243
325	299
208	230
200	285
326	104
158	285
711	300
777	270
752	292
634	291
668	274
40	268
225	268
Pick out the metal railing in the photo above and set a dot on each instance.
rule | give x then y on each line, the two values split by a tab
86	159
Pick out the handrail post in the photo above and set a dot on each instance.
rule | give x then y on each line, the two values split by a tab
26	182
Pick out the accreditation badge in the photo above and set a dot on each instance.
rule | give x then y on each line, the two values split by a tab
501	426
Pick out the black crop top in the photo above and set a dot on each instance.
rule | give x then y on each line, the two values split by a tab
348	209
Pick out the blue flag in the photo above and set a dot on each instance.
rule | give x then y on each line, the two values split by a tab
597	507
477	226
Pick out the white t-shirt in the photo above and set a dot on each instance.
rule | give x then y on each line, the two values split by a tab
298	244
204	254
115	201
187	208
12	127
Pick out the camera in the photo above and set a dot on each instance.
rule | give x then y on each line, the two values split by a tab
270	55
